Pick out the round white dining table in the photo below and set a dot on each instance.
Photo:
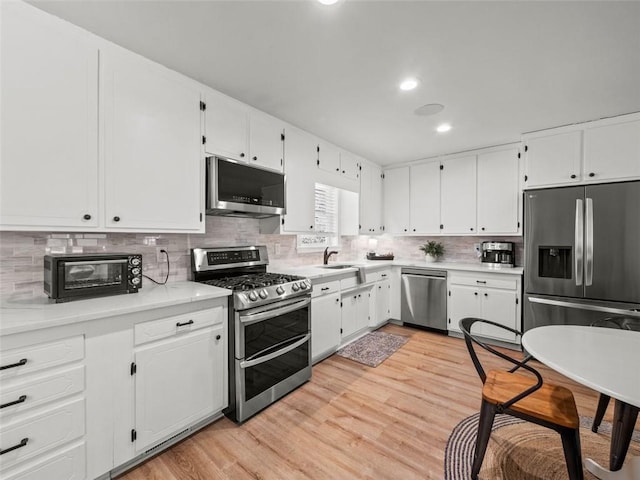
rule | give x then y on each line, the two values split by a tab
604	359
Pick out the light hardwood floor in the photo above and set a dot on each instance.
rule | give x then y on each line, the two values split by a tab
350	421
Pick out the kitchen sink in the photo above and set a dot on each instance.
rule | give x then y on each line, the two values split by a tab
337	267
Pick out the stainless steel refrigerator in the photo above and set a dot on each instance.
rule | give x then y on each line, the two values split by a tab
582	254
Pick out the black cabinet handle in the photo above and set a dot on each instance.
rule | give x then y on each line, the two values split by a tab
475	293
324	288
218	337
87	216
15	402
190	322
19	364
592	174
22	443
481	281
573	176
483	229
116	219
255	158
383	275
471	229
241	155
486	294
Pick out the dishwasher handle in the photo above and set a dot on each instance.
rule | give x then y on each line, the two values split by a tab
433	277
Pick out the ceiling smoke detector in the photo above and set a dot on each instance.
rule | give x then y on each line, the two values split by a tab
429	109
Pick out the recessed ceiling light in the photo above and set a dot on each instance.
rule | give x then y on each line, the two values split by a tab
429	109
328	2
444	127
408	84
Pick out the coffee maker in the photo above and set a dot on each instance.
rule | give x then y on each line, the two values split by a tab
498	254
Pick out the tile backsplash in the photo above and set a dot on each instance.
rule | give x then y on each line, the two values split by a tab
21	253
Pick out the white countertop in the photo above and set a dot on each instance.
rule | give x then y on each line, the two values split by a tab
36	313
318	272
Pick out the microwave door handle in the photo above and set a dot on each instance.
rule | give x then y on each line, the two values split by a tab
579	239
93	262
588	270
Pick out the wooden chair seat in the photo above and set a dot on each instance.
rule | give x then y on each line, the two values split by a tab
551	403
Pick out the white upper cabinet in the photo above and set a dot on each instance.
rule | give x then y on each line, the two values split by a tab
396	200
458	195
599	151
266	139
49	121
370	198
226	127
152	155
349	165
425	198
612	149
328	157
553	159
300	163
498	192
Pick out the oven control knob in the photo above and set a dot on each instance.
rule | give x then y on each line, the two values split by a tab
295	287
135	280
135	271
263	294
135	261
279	290
253	297
303	286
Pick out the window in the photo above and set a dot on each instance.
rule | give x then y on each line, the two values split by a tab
326	220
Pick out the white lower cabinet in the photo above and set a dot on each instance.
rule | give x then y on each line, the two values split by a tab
177	383
494	297
68	464
325	325
355	311
381	303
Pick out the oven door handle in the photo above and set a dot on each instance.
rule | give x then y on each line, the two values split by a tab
258	359
274	312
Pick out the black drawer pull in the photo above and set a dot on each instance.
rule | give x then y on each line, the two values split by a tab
481	281
383	275
22	443
190	322
15	402
218	337
324	288
19	364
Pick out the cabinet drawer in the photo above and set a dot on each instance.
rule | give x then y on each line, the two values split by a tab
42	432
379	275
325	288
484	281
68	464
37	390
167	327
350	282
38	357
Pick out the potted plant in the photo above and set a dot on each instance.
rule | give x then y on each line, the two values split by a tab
432	250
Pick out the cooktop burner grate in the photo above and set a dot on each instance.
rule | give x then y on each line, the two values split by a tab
252	281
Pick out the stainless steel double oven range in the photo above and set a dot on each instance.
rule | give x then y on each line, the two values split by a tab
269	325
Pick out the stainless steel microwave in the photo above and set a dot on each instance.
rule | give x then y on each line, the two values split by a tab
242	190
72	277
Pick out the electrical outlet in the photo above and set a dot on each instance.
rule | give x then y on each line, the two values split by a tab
476	248
160	256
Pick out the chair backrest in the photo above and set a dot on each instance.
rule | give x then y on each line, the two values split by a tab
465	326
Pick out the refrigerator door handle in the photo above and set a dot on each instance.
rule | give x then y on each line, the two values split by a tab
579	236
588	270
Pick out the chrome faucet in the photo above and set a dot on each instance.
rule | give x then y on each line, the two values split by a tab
327	254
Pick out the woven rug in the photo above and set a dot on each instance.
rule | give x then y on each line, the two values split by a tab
373	349
520	450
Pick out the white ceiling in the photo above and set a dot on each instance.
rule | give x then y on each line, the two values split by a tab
500	68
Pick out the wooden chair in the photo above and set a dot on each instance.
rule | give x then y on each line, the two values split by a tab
622	323
523	396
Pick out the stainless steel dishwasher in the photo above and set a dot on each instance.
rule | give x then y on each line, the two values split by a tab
424	298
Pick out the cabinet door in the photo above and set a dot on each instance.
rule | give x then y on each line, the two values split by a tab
463	302
151	147
266	141
364	310
458	195
226	127
612	152
349	166
178	381
300	162
499	306
396	200
370	198
498	197
554	159
49	122
382	312
328	157
350	321
325	325
425	198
